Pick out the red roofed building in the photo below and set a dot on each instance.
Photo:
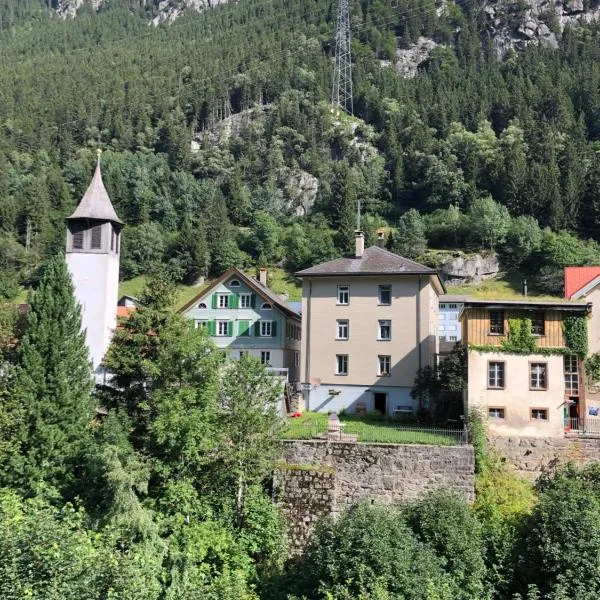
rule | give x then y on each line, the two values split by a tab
579	281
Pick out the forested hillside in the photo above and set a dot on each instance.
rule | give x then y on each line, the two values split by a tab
489	152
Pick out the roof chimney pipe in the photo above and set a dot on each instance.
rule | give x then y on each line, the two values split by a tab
359	238
381	237
262	276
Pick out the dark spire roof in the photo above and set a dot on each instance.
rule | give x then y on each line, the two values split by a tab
95	203
374	261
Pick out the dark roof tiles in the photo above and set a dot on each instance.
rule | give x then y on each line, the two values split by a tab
374	261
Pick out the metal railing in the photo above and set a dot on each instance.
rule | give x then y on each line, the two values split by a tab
583	426
378	432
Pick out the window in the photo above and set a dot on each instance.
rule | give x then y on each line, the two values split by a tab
78	240
384	366
539	414
245	300
202	305
497	322
266	306
222	300
495	412
537	323
234	283
453	306
442	306
265	357
452	338
96	237
201	324
112	239
266	328
242	353
296	359
223	328
538	376
496	375
341	364
342	329
343	294
571	369
385	294
385	330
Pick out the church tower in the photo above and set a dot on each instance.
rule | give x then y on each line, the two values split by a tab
93	244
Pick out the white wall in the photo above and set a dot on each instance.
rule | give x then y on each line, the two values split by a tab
96	280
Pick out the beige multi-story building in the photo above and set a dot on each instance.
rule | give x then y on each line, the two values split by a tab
537	392
369	322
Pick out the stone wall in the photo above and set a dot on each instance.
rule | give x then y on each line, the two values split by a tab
531	455
318	478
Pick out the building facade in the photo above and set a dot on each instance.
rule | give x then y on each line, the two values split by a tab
243	316
92	256
368	324
449	322
521	374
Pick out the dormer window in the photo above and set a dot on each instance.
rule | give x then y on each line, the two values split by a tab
266	306
234	283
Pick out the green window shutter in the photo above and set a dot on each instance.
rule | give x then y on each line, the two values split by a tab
214	301
212	327
230	328
244	328
234	300
252	301
257	328
274	329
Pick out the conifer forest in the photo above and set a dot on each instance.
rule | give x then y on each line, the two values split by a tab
220	149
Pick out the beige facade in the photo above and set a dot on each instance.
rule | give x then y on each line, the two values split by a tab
412	316
509	408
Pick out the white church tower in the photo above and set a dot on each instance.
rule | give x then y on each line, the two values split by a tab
93	244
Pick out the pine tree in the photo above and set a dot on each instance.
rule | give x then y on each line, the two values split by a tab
54	384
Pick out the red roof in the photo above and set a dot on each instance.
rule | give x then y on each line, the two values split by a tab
577	278
124	311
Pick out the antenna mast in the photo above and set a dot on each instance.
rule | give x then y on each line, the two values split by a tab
341	95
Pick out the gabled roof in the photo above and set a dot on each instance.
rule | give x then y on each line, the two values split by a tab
374	261
96	203
580	280
264	292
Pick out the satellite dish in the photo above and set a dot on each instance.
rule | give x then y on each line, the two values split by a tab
315	382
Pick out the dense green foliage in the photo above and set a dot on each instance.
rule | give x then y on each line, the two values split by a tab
489	152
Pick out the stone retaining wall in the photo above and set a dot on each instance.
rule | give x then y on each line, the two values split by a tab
531	455
317	478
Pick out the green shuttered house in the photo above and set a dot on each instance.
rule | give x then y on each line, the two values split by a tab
242	315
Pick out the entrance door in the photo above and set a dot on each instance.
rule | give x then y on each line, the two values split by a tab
380	402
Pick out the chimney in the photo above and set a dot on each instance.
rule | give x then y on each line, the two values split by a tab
381	238
359	237
262	276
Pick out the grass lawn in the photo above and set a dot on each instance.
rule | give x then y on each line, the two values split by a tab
506	286
367	429
183	293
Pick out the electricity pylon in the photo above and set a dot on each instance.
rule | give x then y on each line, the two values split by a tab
341	95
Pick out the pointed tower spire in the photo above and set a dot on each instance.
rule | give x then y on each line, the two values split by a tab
96	203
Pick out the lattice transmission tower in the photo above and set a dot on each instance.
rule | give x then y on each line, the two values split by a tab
341	95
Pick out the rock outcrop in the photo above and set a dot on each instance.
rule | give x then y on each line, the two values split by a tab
466	269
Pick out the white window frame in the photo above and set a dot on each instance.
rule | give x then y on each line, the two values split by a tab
452	338
341	360
381	360
535	376
265	357
571	372
496	412
266	326
380	324
218	328
343	290
245	301
242	353
234	283
539	409
387	287
202	305
339	324
266	306
223	300
201	324
493	377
